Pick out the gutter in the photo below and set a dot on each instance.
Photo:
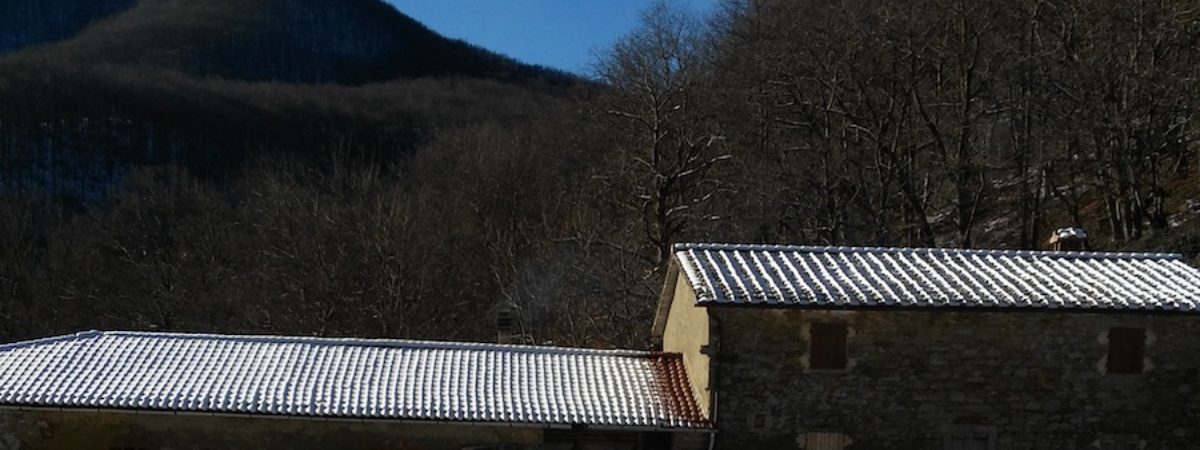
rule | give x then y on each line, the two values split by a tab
557	426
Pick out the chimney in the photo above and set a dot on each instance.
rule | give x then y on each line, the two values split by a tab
508	330
1069	239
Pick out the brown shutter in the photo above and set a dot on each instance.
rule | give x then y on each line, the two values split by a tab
826	441
1126	349
827	349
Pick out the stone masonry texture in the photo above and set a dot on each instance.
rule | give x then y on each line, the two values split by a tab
1035	380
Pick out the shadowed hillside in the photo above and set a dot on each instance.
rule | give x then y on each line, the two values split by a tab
208	83
300	41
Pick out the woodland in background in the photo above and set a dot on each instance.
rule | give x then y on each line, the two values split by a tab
416	208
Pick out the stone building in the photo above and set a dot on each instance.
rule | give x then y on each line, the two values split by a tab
885	348
763	347
134	391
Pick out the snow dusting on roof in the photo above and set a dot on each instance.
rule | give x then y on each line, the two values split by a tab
350	378
849	277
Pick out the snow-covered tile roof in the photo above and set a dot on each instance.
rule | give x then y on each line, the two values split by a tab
852	277
350	378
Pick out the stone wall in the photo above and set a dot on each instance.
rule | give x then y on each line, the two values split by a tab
1031	380
82	430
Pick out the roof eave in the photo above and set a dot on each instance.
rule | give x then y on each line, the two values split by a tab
694	428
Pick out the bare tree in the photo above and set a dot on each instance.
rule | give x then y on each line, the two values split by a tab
666	142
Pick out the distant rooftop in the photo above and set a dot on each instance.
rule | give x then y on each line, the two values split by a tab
858	277
350	378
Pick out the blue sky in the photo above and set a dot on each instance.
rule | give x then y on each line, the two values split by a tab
564	34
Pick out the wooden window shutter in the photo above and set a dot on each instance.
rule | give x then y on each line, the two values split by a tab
826	441
827	346
1126	349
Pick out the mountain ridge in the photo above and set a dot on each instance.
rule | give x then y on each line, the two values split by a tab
296	41
210	84
28	23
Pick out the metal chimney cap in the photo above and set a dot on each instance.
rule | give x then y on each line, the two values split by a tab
1071	232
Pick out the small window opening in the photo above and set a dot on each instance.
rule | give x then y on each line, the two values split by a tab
827	346
826	441
1126	350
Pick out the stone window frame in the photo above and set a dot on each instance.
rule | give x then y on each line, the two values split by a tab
1147	362
806	359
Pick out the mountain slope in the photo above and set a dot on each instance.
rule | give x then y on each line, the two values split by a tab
306	41
209	84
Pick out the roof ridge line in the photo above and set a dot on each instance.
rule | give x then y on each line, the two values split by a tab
49	339
373	342
948	250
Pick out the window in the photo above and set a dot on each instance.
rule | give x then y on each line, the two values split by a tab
826	441
827	346
581	438
655	441
1126	350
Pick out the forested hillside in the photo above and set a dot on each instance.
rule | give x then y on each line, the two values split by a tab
203	84
305	41
184	196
